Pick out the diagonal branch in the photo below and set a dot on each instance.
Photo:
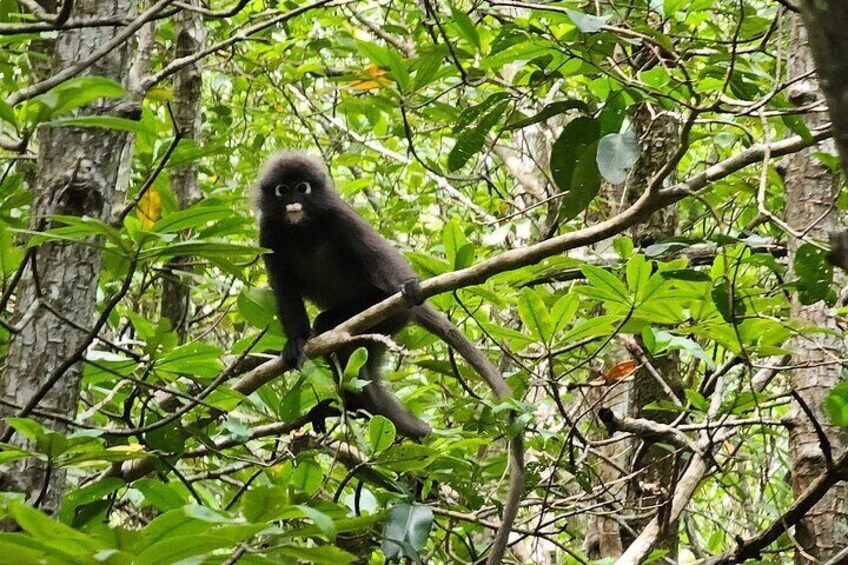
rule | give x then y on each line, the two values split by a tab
753	547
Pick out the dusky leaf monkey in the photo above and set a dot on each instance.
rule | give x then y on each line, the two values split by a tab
324	252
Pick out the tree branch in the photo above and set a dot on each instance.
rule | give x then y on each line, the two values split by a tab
41	87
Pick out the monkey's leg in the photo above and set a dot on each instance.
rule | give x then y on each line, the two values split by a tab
373	398
376	399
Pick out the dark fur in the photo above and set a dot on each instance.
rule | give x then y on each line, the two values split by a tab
333	258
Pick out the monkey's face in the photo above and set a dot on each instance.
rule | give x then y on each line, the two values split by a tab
292	189
293	200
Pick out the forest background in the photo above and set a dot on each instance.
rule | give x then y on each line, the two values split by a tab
624	204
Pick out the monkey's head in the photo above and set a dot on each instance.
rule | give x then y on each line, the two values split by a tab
294	187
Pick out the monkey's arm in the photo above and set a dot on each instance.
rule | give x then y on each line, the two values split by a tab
290	309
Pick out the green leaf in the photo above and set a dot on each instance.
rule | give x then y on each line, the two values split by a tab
388	59
427	265
168	438
452	239
27	550
207	249
7	114
79	91
381	433
426	69
198	216
721	296
324	522
106	122
45	529
406	531
355	363
197	358
179	548
587	23
815	275
798	126
534	314
464	256
549	111
466	27
257	306
322	554
604	280
163	496
563	312
470	141
573	165
638	272
617	153
264	503
836	405
27	427
76	499
307	476
686	275
472	113
407	457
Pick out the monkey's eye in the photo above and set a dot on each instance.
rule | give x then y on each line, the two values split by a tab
303	187
280	189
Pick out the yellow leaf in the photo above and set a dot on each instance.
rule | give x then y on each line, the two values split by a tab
149	207
376	79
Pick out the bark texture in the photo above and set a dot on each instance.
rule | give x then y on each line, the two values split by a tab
188	84
826	22
810	193
77	171
647	494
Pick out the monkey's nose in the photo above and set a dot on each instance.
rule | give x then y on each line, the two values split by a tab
296	207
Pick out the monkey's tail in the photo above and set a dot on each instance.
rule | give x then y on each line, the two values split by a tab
438	324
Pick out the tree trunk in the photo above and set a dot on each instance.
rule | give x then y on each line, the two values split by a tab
77	171
810	193
188	83
648	492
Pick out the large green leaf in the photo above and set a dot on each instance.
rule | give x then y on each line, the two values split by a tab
79	91
406	531
534	314
549	111
573	165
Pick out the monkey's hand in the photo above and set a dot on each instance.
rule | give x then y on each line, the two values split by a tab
410	289
293	351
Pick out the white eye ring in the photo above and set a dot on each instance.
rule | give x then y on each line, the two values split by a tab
303	187
279	189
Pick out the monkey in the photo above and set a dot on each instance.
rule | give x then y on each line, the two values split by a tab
323	251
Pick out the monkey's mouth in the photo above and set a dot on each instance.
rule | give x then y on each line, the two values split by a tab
295	213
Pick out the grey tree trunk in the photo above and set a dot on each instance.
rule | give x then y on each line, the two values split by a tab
658	135
810	193
826	24
77	172
188	84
